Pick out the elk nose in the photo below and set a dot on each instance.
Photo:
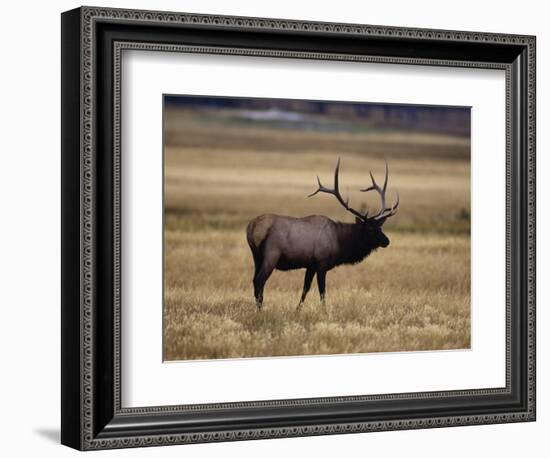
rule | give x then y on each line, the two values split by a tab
385	242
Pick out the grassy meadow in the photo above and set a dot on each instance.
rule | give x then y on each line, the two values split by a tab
220	173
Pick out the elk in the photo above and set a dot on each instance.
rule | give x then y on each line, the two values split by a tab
316	243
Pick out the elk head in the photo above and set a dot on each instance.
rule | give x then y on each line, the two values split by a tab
370	225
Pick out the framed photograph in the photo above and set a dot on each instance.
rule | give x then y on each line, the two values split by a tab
276	228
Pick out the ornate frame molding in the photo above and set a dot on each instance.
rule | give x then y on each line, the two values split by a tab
89	433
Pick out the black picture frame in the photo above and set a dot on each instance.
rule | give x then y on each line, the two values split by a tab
92	40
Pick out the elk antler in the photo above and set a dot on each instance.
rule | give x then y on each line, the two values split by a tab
336	193
384	212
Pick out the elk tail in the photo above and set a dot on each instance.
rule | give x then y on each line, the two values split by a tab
256	233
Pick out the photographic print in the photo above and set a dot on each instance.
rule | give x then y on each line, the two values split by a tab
301	227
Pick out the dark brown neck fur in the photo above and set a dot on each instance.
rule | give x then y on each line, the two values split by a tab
354	244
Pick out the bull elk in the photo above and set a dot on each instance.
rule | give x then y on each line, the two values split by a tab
316	243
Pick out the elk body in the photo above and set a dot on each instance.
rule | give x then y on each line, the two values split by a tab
316	243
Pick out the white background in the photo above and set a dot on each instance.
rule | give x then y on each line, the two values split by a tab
30	241
148	75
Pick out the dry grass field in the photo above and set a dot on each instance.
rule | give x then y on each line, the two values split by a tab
413	295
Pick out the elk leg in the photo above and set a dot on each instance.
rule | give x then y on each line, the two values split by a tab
310	273
258	282
257	263
261	277
321	275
